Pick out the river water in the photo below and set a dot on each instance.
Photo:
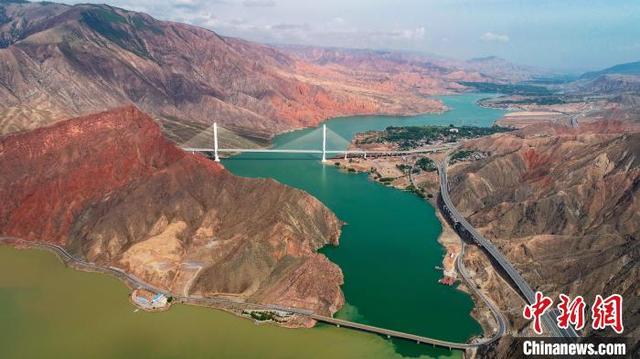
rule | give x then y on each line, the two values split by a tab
388	253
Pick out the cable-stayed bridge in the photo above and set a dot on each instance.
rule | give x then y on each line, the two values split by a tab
321	150
297	146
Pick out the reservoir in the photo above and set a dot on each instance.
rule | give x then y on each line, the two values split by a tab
388	251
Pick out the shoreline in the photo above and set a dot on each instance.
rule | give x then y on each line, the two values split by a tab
403	115
297	318
273	313
452	244
235	307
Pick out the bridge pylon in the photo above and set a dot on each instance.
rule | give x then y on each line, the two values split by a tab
215	142
324	143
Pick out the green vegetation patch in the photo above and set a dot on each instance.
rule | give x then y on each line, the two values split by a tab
463	155
458	155
426	164
142	24
417	191
414	136
263	316
508	89
539	100
100	16
113	26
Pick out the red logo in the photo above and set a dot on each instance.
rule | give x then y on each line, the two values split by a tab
571	312
536	310
607	313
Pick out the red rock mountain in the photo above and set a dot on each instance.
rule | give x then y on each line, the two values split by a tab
563	204
111	188
58	61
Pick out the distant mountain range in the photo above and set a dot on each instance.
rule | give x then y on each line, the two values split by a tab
492	68
58	61
616	80
500	68
630	68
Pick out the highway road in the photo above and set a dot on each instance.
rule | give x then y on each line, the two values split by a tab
497	314
549	319
501	321
135	282
523	286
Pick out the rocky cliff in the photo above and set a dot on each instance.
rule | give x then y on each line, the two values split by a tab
562	204
112	189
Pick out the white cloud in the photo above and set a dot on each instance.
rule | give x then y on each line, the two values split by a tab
492	36
289	27
413	34
259	3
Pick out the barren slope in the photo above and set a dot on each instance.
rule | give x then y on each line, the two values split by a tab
563	205
58	61
111	188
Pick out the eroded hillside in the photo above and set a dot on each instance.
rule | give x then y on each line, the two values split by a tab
562	204
111	188
58	61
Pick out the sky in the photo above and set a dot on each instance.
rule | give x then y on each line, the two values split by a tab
562	35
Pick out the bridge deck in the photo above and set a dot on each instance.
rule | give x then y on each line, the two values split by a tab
134	281
392	333
319	152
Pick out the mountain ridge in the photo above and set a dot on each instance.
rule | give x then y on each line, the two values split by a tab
113	190
67	60
628	68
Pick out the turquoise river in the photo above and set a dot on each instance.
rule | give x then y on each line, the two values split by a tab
388	253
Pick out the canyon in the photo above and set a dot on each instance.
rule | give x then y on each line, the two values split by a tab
560	201
562	204
59	61
558	196
112	189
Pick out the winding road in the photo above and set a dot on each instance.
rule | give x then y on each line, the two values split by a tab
497	314
135	282
548	319
501	321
